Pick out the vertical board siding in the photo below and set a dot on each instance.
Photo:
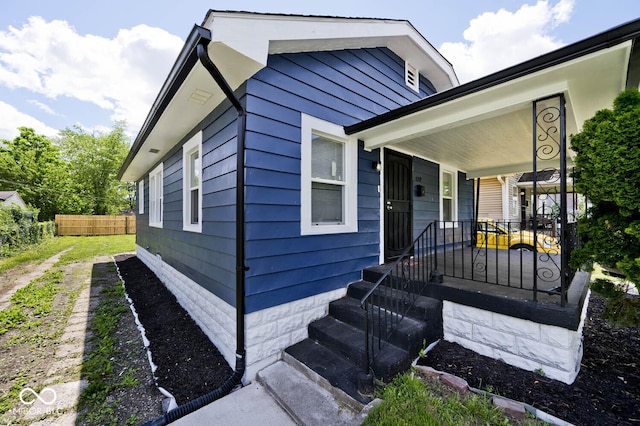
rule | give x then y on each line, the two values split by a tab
341	87
208	258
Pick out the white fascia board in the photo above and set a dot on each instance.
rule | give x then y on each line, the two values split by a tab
258	35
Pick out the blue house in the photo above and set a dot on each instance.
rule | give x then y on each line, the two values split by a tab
287	157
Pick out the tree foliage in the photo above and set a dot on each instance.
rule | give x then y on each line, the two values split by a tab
31	164
93	161
608	173
74	174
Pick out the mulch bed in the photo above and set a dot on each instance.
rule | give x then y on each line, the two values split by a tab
189	365
606	391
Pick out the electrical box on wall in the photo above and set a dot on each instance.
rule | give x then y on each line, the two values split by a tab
420	191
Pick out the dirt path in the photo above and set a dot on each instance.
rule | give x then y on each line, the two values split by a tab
18	277
50	356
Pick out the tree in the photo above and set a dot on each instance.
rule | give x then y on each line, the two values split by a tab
608	173
93	161
31	164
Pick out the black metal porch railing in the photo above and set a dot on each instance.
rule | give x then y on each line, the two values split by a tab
502	253
389	300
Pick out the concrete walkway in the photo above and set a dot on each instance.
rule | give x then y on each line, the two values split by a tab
285	393
25	279
58	396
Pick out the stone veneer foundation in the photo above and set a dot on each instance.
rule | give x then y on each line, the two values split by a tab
553	350
267	332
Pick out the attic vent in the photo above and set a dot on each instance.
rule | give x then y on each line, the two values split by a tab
200	97
154	151
411	76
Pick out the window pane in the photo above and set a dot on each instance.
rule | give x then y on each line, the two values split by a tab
194	169
446	209
326	203
446	184
195	199
327	159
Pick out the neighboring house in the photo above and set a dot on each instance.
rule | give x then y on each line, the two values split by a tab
12	198
288	156
499	198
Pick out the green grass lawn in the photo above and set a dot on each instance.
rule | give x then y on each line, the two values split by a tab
83	248
412	400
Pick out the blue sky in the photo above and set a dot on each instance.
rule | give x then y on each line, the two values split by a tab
68	62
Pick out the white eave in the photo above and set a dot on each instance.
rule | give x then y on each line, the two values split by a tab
484	127
240	45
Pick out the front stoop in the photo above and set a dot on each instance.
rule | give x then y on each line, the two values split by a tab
335	347
306	398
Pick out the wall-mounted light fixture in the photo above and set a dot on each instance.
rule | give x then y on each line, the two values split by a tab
375	165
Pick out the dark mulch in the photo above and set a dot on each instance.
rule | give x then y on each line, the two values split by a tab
189	365
606	391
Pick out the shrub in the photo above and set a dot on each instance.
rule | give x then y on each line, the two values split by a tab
20	229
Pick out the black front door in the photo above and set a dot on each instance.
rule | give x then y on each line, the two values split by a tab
397	203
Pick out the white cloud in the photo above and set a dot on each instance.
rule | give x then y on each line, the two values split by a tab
12	119
496	40
44	107
122	74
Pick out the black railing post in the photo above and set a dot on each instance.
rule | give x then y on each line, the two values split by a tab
564	253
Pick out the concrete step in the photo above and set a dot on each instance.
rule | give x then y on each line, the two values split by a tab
425	308
306	401
409	333
335	371
348	341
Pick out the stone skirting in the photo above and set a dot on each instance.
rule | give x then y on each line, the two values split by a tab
267	332
554	351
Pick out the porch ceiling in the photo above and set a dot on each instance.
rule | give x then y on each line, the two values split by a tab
489	131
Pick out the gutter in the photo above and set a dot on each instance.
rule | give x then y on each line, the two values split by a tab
236	377
604	40
181	68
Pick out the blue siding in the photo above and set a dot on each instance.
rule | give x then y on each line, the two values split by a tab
465	197
208	258
425	209
341	87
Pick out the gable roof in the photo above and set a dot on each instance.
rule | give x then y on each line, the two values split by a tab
484	127
12	196
239	44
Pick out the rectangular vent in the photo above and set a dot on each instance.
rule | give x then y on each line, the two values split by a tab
411	76
154	151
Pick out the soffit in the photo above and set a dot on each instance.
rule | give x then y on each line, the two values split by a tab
489	132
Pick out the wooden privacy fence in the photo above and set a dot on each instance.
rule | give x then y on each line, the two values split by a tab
95	225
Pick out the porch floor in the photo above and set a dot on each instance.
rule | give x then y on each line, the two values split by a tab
498	280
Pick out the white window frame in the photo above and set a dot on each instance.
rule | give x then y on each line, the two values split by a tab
141	197
453	198
192	145
309	126
156	196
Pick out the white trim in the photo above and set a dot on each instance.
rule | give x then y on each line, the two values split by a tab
311	125
454	192
192	145
156	200
140	198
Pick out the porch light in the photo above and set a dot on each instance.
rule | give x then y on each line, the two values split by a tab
375	165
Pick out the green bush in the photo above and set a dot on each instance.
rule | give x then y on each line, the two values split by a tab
20	229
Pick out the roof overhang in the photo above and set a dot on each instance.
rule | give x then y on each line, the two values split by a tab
484	127
239	45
